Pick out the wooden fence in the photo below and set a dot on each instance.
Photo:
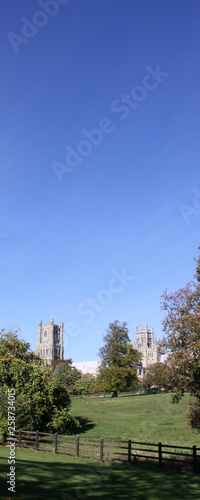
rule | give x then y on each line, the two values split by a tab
109	449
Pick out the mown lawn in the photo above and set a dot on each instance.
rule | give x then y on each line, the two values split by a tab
150	418
57	477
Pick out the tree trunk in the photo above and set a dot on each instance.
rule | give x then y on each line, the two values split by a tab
114	394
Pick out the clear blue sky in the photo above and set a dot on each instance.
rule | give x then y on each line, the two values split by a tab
131	69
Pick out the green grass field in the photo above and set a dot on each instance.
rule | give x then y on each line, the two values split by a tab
150	418
45	476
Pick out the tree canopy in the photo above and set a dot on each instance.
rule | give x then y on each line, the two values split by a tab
181	327
42	403
118	368
156	375
16	361
85	384
69	377
66	375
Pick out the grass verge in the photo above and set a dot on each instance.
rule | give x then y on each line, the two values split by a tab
55	477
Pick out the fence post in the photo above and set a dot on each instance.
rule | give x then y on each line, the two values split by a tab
20	438
129	451
160	454
56	435
101	450
36	440
194	449
77	447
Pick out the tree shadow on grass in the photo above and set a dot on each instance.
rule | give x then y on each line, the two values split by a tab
85	423
78	481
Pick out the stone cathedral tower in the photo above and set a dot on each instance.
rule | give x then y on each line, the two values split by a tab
50	344
147	345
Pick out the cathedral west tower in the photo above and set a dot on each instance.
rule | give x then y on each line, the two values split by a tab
50	345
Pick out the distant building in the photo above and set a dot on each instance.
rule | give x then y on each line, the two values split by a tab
50	347
147	345
50	344
87	366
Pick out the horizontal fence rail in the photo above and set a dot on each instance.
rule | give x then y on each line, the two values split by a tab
108	449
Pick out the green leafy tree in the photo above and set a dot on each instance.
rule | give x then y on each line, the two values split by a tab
16	361
181	327
156	375
3	413
41	402
66	375
85	384
118	368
